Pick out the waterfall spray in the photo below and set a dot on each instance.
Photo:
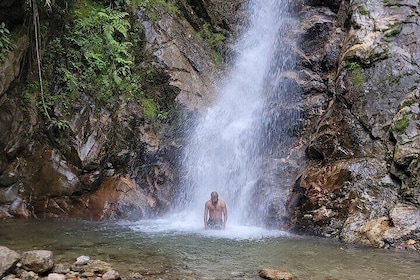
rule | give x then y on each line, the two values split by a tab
228	146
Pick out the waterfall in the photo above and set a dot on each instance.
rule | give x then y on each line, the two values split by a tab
250	121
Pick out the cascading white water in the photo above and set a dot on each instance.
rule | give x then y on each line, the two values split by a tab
228	143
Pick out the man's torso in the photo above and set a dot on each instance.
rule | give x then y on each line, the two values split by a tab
216	210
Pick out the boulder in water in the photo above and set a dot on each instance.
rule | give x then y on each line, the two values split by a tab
276	274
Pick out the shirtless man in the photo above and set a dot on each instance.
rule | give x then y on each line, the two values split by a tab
216	209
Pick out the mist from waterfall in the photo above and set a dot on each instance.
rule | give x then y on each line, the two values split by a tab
251	117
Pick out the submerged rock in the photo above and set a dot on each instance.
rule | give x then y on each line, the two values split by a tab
276	274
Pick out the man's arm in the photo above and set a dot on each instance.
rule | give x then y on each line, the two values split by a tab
205	215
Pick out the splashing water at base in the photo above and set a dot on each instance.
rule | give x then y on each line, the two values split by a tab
175	226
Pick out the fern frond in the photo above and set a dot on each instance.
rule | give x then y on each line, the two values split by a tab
121	26
117	79
108	28
102	14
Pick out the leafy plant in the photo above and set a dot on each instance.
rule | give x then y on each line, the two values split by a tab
152	7
6	44
149	108
401	124
102	39
215	40
96	56
391	30
358	78
217	58
406	103
60	124
363	11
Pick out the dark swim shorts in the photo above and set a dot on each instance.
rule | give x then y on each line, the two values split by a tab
214	224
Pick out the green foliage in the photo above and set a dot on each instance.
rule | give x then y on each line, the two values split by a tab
60	124
401	125
387	185
217	58
149	108
394	80
31	91
393	30
215	40
358	78
406	103
95	56
363	11
153	7
6	44
388	4
101	37
95	53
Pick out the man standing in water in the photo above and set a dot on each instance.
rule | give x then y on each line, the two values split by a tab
216	209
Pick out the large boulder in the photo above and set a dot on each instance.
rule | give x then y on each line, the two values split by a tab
397	229
38	261
8	260
116	197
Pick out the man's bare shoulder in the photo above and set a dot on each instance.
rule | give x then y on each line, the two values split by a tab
222	203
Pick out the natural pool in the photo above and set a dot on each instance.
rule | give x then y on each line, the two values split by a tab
167	251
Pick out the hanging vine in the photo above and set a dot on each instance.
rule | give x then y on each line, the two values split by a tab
37	38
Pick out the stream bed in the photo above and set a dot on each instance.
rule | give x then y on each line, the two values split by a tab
166	250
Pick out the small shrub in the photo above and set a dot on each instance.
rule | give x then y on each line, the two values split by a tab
406	103
149	108
152	6
358	78
215	40
401	125
363	11
6	44
393	30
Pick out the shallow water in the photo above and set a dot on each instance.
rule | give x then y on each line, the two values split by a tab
167	250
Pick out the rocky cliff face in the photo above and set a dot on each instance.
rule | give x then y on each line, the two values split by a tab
107	163
360	77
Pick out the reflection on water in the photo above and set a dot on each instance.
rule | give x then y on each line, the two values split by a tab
239	252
